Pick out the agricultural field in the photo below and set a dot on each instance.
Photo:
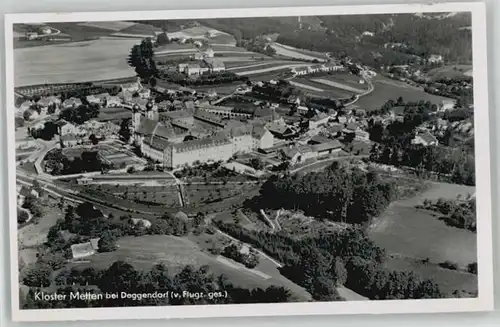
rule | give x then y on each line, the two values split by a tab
309	86
387	89
204	33
73	62
301	54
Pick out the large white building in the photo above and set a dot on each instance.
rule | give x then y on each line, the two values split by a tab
167	142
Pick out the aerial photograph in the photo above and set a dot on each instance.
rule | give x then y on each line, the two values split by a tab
245	160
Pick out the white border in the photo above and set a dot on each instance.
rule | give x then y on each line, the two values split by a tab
484	302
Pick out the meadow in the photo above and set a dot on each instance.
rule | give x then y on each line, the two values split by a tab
387	89
417	240
73	62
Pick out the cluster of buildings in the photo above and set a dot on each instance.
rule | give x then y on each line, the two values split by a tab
307	70
197	134
72	135
203	62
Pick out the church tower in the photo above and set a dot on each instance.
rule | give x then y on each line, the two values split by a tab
152	110
136	117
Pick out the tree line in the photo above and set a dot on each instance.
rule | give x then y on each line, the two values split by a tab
123	277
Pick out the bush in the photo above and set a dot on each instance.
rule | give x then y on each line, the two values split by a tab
449	265
472	268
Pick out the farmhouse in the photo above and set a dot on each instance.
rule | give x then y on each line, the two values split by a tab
66	128
93	99
280	129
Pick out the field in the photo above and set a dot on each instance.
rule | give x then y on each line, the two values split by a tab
291	52
176	252
412	234
450	71
448	280
307	85
73	62
387	89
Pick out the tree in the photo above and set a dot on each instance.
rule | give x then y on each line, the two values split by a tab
142	59
124	131
162	39
107	242
256	163
37	275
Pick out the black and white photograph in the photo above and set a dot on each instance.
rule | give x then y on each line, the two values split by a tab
278	161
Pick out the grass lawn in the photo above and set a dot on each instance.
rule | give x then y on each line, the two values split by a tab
449	71
387	89
448	280
176	252
402	229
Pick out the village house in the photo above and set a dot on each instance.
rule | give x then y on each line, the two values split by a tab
69	140
71	103
66	128
425	138
447	104
92	99
215	65
319	120
112	101
298	154
46	102
435	59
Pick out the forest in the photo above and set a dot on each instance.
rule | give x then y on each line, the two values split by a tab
358	195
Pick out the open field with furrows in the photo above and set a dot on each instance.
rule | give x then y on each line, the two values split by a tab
307	85
176	252
279	66
101	59
450	71
302	54
387	89
414	234
262	64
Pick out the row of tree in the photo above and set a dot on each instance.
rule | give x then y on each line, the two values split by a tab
458	213
123	277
